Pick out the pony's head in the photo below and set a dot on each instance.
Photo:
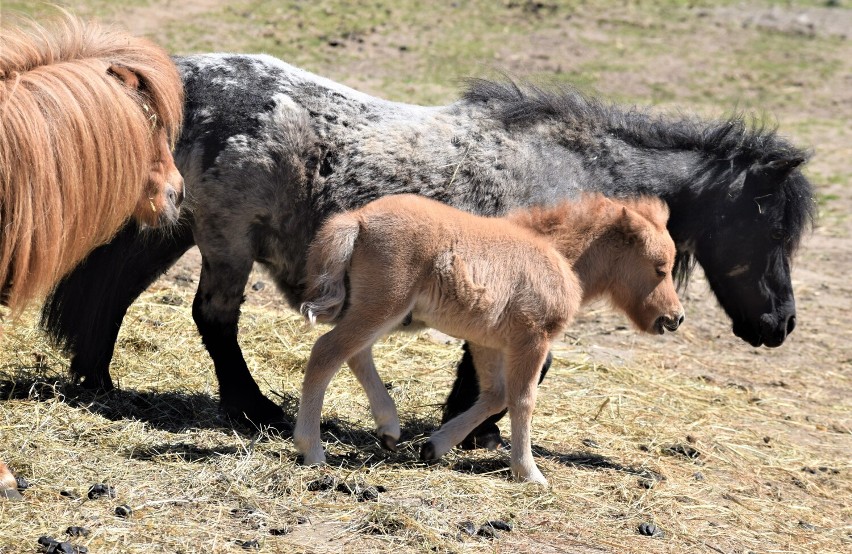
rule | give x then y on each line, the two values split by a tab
89	115
640	272
746	247
163	191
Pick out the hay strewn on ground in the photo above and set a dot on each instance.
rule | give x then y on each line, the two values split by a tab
617	444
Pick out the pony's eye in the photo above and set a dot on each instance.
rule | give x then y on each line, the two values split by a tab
661	272
778	234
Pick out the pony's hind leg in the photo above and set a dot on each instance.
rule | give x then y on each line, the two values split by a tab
492	398
522	372
381	404
225	270
362	324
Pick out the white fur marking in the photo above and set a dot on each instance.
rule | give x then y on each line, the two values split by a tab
738	270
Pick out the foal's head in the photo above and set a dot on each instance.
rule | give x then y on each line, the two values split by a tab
641	271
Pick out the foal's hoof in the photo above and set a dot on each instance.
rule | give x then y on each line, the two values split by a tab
314	460
388	443
428	452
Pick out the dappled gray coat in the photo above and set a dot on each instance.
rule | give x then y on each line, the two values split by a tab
268	151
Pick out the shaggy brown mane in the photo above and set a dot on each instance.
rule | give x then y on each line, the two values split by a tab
76	145
568	220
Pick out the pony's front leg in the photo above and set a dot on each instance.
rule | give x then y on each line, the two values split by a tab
521	387
216	310
84	312
381	404
491	399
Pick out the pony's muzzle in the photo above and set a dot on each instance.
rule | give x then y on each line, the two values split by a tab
773	331
175	189
174	196
670	323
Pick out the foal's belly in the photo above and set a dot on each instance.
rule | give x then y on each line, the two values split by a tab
455	325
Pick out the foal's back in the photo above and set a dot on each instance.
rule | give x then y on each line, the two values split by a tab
462	273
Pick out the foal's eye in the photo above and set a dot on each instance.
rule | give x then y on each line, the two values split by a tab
778	234
661	272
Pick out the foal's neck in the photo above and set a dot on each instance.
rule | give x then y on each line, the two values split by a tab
580	232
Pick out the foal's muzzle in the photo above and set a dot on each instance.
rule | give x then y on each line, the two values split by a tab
670	323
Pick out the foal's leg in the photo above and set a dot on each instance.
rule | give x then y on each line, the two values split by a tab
522	373
355	333
381	404
463	395
492	399
225	268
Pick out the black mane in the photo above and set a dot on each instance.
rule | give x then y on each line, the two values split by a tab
735	138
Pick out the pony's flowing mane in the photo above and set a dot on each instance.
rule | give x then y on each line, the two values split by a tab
735	138
76	144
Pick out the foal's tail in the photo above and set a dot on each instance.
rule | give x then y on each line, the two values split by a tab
328	261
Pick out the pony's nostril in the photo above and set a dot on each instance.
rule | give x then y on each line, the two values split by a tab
680	319
173	196
791	324
670	323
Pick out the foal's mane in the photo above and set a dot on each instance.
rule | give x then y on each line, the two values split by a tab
735	138
574	223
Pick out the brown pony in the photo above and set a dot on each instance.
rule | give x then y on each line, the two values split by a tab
509	286
8	484
89	116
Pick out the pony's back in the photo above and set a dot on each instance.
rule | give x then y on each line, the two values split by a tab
76	145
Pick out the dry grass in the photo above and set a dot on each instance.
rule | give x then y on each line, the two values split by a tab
607	437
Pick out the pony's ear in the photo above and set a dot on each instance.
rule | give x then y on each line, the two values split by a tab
778	170
125	75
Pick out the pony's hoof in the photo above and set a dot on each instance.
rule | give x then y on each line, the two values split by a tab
94	383
489	441
534	477
313	460
259	414
388	443
428	453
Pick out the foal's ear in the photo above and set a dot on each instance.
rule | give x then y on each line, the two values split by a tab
125	75
628	226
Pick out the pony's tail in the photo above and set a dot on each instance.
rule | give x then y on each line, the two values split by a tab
328	260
